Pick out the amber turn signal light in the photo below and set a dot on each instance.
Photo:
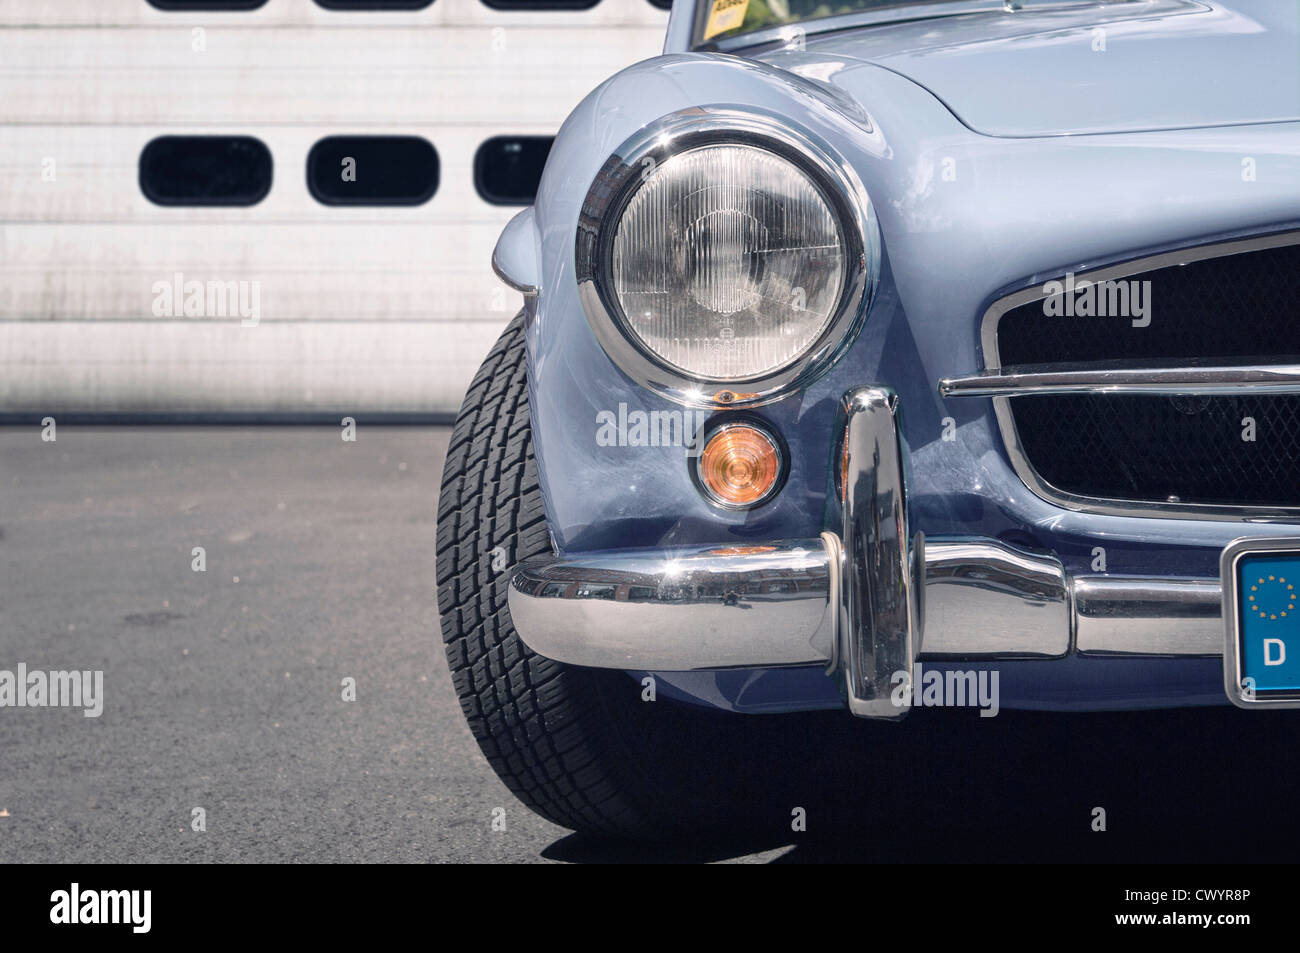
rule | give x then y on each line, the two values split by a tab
740	466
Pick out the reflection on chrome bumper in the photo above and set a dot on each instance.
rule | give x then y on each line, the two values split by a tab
679	610
865	599
880	603
1118	616
986	599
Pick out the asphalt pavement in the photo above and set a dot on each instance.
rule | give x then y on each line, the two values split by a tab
224	690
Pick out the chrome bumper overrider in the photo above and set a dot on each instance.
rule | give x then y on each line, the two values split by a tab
867	599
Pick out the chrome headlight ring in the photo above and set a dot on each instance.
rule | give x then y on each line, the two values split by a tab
647	150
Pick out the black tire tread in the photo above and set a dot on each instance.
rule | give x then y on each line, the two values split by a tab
540	724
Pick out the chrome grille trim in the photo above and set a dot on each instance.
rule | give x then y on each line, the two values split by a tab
1117	379
1123	507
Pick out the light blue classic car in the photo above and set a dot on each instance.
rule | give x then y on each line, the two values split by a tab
878	356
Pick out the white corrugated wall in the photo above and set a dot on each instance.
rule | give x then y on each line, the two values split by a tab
365	310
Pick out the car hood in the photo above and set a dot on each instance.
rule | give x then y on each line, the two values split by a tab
1087	68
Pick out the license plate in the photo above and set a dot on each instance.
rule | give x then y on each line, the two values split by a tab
1261	614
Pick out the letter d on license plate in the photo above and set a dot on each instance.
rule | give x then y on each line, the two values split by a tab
1261	616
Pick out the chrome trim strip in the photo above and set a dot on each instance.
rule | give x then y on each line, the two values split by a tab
686	609
1114	379
879	607
1105	506
986	599
1138	616
659	141
1240	694
835	556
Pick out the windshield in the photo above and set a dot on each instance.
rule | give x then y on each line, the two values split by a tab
726	18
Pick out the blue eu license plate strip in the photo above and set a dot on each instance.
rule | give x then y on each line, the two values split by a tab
1261	613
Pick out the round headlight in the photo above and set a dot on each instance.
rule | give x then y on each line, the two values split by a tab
728	262
724	247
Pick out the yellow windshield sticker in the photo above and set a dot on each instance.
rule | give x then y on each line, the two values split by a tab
725	15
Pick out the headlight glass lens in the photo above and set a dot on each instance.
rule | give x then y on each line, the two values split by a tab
728	262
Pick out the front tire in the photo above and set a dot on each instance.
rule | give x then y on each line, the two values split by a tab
577	745
545	728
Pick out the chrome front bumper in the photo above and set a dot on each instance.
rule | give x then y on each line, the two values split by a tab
867	599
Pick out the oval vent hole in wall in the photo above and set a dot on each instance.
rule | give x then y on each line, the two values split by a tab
205	170
372	170
507	169
541	4
374	4
179	5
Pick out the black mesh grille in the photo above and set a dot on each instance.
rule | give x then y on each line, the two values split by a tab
1229	310
1243	306
1158	448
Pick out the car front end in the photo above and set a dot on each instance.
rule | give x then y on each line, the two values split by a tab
927	348
916	522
